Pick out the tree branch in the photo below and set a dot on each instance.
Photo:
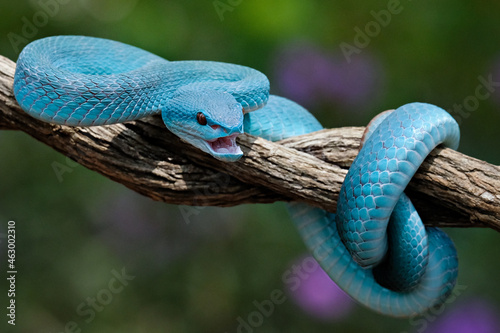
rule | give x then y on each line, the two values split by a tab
450	189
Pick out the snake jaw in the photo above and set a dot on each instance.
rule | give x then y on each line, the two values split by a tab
225	147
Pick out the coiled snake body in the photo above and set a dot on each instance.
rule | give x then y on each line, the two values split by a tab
375	247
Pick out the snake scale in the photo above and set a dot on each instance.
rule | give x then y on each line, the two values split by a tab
375	247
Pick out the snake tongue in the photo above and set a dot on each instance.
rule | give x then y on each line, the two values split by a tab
225	145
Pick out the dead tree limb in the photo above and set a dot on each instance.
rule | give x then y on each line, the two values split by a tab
450	189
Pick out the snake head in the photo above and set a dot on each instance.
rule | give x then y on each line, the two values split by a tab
207	119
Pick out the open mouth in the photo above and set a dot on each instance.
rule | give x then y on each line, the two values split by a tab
225	145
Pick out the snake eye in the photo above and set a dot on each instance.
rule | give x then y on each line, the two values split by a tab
200	117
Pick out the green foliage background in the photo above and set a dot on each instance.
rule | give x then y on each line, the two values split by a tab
201	273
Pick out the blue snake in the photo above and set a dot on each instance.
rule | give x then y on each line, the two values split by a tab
375	247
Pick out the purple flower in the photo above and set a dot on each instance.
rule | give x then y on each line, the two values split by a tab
313	290
312	77
300	70
476	315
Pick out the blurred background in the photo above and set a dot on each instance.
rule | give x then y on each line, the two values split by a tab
93	256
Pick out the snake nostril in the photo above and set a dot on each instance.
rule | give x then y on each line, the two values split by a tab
216	127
